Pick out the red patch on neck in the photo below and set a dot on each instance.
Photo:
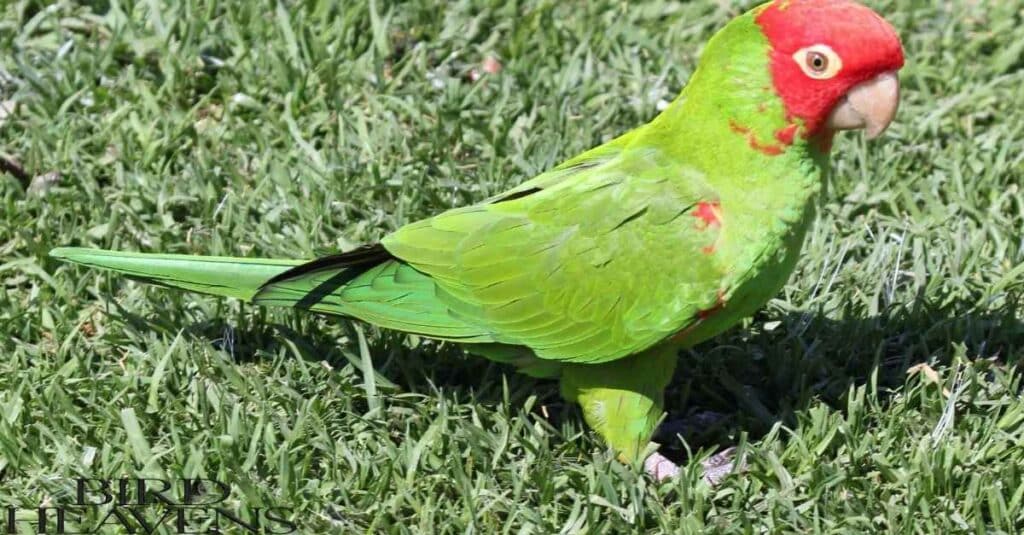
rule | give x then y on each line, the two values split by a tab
786	134
866	43
771	149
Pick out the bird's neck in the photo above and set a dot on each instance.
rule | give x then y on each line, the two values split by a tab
731	125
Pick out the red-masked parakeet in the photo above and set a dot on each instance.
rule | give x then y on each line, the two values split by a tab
600	270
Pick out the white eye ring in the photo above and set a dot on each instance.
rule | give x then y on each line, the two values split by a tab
818	61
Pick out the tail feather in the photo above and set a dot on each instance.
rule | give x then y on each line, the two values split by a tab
367	284
240	278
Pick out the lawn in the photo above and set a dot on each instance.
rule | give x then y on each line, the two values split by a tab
878	392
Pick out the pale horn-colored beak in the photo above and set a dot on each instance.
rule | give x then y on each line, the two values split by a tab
870	105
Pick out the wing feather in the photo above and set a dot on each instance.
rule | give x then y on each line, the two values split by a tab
591	267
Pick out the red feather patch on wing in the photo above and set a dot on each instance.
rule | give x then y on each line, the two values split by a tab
708	212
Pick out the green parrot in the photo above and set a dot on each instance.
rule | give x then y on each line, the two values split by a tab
600	270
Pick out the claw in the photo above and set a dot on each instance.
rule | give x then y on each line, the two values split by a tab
715	467
660	467
720	465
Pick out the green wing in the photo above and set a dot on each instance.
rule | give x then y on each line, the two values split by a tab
595	260
590	269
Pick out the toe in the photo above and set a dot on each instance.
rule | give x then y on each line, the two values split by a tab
660	467
720	465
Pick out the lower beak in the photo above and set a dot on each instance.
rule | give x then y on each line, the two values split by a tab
870	105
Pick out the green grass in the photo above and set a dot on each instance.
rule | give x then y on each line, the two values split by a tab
259	129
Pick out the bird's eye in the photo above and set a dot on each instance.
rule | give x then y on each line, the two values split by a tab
819	61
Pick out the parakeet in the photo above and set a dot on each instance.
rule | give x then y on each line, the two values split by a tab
600	270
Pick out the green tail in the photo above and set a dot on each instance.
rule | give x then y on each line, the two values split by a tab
375	289
240	278
381	291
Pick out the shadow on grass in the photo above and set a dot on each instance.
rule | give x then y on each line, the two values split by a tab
427	367
743	382
747	381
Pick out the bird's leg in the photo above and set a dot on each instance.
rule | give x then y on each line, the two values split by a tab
622	400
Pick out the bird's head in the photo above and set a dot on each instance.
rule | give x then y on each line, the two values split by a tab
833	63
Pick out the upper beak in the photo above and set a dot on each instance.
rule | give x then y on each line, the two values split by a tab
870	105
